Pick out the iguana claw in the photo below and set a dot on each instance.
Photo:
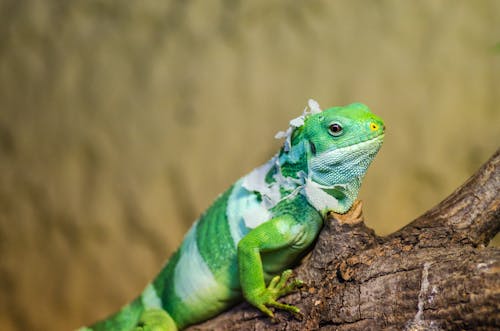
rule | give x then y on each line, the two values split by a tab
277	288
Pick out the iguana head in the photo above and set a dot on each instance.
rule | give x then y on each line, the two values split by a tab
342	143
338	144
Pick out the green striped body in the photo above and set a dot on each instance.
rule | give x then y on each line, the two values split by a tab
201	279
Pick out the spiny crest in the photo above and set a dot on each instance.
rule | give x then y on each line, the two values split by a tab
311	109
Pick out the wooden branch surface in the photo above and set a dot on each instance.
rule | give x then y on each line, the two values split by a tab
434	274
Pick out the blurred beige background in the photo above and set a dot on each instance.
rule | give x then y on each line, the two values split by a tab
121	121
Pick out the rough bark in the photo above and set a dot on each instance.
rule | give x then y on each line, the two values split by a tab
434	274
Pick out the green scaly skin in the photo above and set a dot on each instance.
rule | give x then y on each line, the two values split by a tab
243	245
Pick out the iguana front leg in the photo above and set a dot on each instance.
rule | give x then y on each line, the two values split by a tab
275	235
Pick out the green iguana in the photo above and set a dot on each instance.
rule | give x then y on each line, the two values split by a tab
262	225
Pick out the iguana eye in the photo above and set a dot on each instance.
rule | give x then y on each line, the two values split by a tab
335	129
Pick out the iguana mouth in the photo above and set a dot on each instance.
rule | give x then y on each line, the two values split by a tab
353	143
346	151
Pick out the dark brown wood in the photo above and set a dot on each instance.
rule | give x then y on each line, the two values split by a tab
434	274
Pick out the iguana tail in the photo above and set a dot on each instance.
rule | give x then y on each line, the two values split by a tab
135	317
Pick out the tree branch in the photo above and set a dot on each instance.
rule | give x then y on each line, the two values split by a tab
433	274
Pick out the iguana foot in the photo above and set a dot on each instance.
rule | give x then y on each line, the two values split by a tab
277	288
155	319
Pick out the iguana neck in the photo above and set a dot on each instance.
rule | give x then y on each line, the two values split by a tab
336	189
290	171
